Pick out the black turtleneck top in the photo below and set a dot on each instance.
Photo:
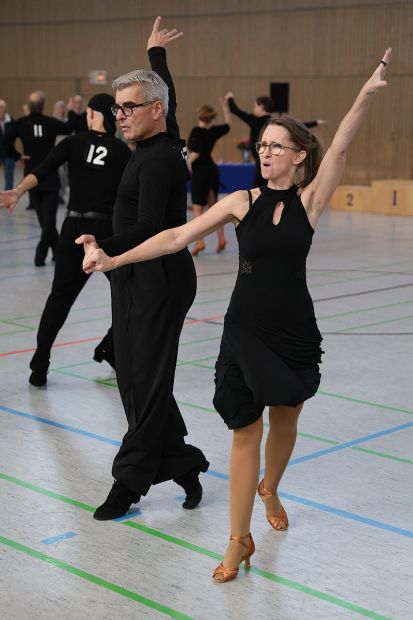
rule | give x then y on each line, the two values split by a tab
152	193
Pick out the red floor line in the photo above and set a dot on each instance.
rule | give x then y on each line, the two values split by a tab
206	318
65	344
60	344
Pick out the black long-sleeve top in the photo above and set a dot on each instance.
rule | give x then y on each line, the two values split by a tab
96	164
256	123
202	140
152	193
38	134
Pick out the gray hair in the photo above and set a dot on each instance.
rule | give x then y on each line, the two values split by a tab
154	87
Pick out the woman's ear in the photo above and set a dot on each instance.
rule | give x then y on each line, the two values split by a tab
299	157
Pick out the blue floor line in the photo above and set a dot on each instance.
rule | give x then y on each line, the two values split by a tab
216	474
347	515
58	538
66	427
349	444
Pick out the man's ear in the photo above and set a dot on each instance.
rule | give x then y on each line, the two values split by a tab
157	110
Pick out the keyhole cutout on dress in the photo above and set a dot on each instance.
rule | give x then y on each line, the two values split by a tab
278	211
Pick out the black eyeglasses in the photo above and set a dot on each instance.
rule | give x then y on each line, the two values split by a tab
275	148
127	109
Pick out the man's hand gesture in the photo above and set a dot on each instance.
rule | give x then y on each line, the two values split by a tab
162	38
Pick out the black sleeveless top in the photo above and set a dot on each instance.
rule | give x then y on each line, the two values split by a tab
271	299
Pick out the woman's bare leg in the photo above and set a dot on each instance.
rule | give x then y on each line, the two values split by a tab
280	443
212	199
200	243
243	480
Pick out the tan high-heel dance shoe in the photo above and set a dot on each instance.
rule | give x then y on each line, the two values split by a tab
221	246
281	521
199	247
223	574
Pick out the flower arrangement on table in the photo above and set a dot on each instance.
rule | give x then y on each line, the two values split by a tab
244	146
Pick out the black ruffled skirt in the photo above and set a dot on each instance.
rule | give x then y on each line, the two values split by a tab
249	376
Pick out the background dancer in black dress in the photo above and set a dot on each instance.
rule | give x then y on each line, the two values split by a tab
205	175
150	301
263	107
96	161
270	347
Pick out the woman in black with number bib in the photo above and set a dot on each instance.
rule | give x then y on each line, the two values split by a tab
270	347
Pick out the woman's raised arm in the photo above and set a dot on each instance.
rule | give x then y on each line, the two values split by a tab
317	194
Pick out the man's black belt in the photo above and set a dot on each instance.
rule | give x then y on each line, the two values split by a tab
93	215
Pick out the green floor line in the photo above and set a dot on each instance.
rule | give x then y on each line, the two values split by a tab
339	602
19	331
98	581
334	316
332	442
365	402
350	329
15	324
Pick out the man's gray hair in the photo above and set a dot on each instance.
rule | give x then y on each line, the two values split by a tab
154	88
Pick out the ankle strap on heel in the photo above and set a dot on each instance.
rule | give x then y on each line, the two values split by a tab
239	539
263	492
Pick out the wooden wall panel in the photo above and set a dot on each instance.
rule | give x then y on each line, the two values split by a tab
324	48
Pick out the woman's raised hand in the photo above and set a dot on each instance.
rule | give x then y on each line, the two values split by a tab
377	79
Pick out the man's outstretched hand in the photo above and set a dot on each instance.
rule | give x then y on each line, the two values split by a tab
162	38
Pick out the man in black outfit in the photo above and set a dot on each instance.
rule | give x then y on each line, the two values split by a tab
38	135
96	161
76	115
263	107
150	300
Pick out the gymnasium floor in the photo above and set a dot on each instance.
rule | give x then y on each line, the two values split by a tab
347	490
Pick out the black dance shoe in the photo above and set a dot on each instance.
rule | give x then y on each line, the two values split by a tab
191	485
39	379
117	502
39	262
104	353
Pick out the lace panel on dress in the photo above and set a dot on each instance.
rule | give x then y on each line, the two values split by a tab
245	266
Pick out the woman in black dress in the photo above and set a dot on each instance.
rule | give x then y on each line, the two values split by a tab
205	175
270	347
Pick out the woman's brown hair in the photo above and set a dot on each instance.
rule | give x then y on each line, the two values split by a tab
206	113
306	141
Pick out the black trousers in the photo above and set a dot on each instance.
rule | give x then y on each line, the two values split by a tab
150	301
45	204
69	279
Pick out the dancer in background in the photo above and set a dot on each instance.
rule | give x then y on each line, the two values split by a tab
263	107
270	349
38	133
205	175
96	160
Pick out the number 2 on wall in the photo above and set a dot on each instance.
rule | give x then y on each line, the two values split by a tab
98	158
349	200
